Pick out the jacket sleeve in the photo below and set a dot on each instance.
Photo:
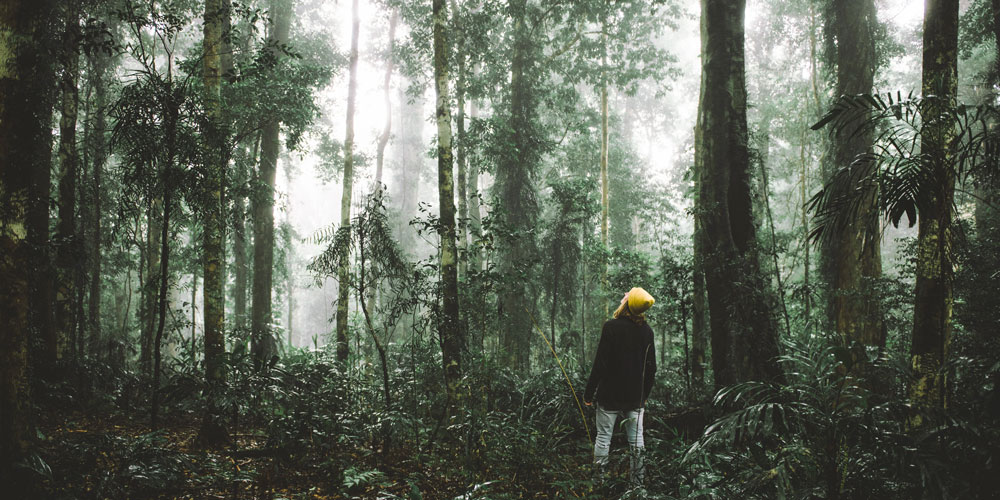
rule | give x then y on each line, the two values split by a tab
649	370
597	372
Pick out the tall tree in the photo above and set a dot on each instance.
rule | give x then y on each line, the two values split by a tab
66	239
343	275
852	258
744	341
449	328
100	64
264	346
383	138
935	259
212	432
25	83
515	190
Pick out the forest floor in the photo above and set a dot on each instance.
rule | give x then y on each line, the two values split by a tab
113	456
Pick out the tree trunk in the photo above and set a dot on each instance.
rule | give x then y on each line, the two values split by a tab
67	244
935	260
515	186
449	328
100	63
264	346
212	433
25	138
343	273
853	259
699	301
475	230
739	310
604	155
149	281
383	138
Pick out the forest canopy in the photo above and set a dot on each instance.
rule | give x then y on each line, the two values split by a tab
378	249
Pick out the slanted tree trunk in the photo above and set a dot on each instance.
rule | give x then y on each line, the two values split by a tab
852	259
935	260
739	310
264	346
67	243
343	273
212	432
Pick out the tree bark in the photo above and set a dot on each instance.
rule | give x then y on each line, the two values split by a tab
25	138
853	259
212	433
739	309
935	260
699	300
264	346
343	273
461	156
449	328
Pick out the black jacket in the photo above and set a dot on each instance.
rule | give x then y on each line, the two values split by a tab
624	367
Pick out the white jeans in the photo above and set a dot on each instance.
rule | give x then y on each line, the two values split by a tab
631	420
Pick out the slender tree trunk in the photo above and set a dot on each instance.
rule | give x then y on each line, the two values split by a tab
149	279
98	145
212	432
475	230
739	311
935	260
343	273
461	151
67	244
449	328
604	154
806	247
383	138
164	271
25	138
853	259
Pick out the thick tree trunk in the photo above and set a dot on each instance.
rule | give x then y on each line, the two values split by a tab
739	310
25	138
935	260
853	259
449	328
212	432
67	243
343	273
699	300
264	345
514	186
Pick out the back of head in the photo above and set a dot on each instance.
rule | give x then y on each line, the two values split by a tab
634	305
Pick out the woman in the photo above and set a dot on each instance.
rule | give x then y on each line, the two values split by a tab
622	377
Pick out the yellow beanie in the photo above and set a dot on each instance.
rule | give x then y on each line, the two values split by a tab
638	301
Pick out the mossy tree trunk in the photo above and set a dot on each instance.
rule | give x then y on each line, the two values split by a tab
212	432
449	328
935	258
852	259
